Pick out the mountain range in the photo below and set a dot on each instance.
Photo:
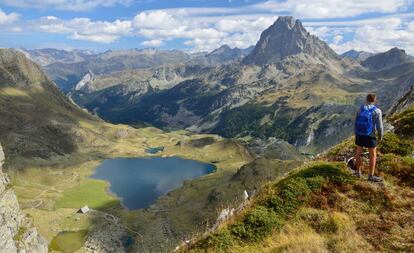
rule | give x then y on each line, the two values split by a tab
291	85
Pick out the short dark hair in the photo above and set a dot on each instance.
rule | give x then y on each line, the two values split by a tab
371	98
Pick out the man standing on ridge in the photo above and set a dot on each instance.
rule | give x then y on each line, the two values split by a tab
368	124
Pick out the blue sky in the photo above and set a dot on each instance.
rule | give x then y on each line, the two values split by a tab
201	25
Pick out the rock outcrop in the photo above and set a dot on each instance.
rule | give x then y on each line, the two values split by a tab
17	233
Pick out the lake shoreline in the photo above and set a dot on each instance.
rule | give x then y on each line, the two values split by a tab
157	177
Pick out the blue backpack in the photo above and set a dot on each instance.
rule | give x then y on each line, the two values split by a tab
364	123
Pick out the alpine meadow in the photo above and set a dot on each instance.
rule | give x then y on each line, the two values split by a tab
236	126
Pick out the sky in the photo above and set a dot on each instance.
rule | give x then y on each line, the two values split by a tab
201	25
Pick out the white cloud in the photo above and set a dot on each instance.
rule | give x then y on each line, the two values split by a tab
102	38
153	43
72	5
244	25
201	32
392	32
321	32
155	19
334	8
8	18
84	28
204	29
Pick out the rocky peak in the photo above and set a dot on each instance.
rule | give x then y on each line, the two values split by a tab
392	57
222	49
17	70
284	38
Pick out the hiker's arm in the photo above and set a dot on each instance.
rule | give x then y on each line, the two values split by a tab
379	125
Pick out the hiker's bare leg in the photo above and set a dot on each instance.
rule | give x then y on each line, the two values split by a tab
372	160
358	158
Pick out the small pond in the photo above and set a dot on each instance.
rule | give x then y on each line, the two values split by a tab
138	182
68	241
154	150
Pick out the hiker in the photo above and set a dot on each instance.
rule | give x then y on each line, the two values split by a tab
368	125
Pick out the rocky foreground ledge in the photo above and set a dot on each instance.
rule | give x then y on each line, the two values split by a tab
17	233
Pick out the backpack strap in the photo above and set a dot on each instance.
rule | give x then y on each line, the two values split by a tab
373	109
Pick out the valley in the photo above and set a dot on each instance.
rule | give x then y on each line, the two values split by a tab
267	118
52	193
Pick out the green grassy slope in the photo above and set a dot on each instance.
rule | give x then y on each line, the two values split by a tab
321	208
37	120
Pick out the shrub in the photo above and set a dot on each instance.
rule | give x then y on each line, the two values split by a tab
316	183
256	225
391	143
328	171
218	242
400	167
281	201
404	122
295	191
19	235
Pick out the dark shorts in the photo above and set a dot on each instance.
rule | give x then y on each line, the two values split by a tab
366	141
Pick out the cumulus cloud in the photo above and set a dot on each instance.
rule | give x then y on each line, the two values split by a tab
8	18
204	29
72	5
334	8
84	28
200	32
153	43
393	32
155	19
102	38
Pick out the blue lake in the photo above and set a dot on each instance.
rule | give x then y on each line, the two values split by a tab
138	182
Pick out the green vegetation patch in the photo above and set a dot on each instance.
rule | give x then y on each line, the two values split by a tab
68	241
404	122
281	201
392	143
91	193
401	168
20	233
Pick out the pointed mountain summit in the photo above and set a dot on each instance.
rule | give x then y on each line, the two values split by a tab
392	57
284	38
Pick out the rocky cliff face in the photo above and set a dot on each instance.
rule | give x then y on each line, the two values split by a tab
284	38
17	233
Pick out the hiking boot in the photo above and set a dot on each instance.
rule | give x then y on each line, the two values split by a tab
375	179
